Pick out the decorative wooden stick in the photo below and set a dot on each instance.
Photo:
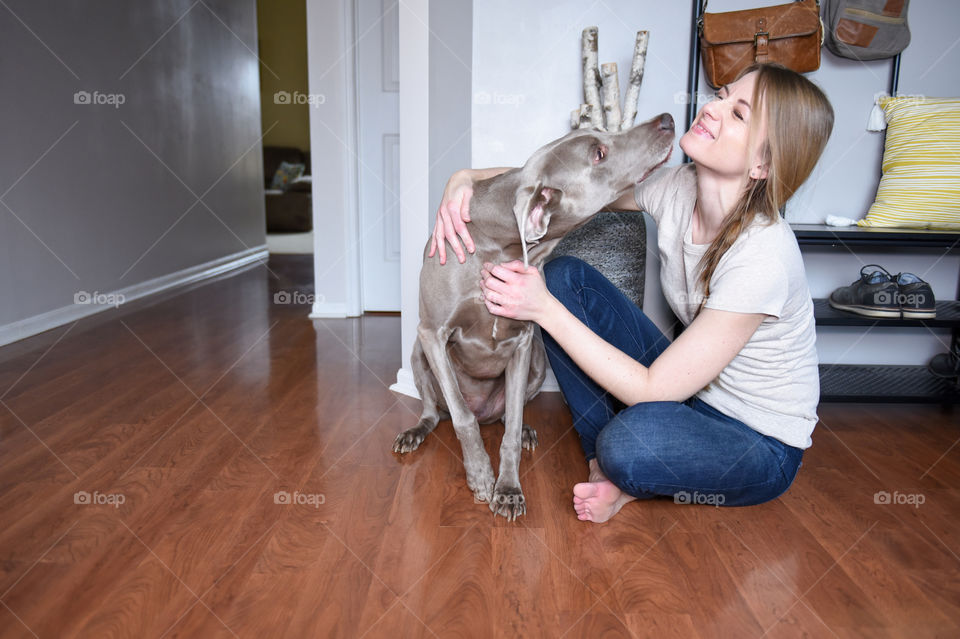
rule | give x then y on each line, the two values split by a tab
591	76
586	112
636	78
611	96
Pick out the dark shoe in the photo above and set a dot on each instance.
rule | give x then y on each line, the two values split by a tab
915	297
875	294
944	366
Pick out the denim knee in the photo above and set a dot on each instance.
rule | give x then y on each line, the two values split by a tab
563	274
628	442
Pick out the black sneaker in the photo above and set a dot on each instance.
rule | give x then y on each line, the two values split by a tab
875	294
915	297
945	365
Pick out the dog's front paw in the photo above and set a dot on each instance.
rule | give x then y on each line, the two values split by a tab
508	501
528	438
481	483
409	439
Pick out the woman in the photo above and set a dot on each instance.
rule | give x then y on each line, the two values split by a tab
722	414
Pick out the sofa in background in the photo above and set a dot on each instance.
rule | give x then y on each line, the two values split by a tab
289	210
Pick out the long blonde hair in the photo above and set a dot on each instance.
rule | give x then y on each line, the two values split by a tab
799	121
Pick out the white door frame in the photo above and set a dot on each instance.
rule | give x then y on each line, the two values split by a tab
332	72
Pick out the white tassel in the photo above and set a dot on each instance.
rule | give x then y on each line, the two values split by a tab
877	120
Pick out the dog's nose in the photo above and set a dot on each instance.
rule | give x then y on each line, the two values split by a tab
666	122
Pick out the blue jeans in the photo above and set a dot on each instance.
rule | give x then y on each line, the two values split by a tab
687	450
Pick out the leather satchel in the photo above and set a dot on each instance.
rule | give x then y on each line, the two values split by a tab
790	34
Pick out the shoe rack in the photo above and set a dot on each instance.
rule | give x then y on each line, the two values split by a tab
881	383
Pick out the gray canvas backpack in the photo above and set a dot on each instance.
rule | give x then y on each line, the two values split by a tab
865	29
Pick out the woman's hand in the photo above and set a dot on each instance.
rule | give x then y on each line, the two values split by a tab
454	211
514	291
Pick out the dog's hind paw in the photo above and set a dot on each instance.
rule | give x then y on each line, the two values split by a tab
528	439
509	502
409	440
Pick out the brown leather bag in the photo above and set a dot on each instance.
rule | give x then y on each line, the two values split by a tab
790	34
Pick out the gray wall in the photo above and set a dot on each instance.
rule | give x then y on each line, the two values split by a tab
98	209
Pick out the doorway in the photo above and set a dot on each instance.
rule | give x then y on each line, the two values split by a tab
377	32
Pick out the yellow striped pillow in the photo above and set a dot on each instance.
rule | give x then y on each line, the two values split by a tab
920	187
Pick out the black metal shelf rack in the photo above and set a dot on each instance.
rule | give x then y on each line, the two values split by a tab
863	383
879	383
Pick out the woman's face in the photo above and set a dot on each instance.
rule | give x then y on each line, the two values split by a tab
720	136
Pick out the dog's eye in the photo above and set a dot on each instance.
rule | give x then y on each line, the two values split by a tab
599	153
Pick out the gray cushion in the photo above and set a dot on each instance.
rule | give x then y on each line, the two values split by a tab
614	243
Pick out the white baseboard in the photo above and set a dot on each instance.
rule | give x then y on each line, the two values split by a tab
405	384
30	326
550	384
330	310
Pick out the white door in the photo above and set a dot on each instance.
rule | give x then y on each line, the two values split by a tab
378	72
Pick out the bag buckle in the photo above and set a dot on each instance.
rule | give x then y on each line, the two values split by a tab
757	35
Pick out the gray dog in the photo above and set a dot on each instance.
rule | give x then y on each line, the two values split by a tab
477	368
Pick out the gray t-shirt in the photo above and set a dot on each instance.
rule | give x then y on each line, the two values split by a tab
773	384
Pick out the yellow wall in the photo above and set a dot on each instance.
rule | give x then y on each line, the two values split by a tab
282	36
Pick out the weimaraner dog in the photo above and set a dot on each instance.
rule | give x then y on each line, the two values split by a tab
477	368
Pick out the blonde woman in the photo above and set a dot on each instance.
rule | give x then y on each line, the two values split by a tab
722	414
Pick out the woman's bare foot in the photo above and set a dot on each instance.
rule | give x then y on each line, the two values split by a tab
598	499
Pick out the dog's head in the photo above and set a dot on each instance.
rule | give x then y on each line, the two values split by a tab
567	181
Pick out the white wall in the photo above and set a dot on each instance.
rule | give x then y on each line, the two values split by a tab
527	79
415	196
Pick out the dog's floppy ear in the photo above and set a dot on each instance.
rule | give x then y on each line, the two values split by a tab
532	210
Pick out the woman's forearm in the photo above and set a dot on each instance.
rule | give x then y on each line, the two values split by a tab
484	174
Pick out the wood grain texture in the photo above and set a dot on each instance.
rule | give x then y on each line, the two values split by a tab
237	458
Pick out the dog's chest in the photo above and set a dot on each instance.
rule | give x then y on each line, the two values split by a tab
483	346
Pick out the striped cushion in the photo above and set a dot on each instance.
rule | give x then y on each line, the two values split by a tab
920	187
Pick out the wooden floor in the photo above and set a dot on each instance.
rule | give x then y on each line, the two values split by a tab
144	451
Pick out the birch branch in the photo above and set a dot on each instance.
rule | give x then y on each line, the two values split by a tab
591	76
611	96
586	112
636	78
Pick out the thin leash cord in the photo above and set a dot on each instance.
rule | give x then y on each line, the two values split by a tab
523	240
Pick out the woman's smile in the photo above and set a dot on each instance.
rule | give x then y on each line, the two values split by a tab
702	131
